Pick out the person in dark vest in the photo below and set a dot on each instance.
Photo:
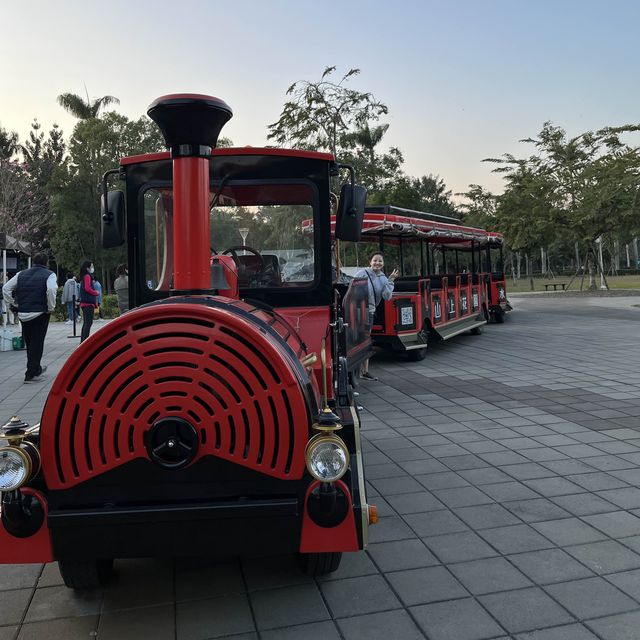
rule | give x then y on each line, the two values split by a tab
33	293
88	298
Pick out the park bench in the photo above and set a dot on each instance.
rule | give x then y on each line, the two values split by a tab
555	285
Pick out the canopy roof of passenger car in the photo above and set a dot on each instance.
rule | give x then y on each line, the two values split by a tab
395	223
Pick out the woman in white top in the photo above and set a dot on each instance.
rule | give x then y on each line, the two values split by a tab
380	288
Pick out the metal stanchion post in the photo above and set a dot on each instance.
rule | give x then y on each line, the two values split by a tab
73	319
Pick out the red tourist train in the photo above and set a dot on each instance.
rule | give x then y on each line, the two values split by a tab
216	415
446	285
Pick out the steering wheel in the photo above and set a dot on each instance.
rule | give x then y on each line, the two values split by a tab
242	267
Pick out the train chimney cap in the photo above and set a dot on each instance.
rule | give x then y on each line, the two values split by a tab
190	122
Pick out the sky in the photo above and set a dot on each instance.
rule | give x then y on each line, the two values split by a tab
463	79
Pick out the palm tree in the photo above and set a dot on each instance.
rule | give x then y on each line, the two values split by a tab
8	144
85	109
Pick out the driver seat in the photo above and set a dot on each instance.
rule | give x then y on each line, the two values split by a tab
249	270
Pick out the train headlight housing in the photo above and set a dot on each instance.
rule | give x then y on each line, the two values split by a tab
327	457
18	464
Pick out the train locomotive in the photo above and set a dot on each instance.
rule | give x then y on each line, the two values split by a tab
217	416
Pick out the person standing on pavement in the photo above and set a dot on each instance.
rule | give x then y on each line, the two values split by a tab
379	288
70	297
121	287
88	298
33	292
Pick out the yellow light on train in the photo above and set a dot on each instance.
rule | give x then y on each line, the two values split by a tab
327	457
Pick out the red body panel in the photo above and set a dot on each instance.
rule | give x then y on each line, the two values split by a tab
315	538
34	549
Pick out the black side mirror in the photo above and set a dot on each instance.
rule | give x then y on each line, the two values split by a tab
112	219
350	212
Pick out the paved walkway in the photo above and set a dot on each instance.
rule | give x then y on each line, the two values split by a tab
506	468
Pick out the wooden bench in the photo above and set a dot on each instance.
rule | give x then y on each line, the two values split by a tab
555	285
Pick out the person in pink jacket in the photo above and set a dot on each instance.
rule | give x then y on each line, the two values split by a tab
88	298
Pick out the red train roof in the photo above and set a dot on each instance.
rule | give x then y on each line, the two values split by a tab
237	151
394	226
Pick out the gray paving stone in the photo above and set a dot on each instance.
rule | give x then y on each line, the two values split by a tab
508	491
597	481
400	485
627	581
353	565
610	463
401	554
525	610
79	628
356	596
294	605
59	602
515	539
213	618
483	476
9	633
550	487
462	497
465	462
459	547
150	622
548	566
456	620
391	528
626	498
429	584
19	576
415	502
617	524
261	573
527	471
486	516
312	631
434	523
620	627
378	626
445	480
13	604
567	632
489	575
607	556
590	598
568	531
583	504
422	467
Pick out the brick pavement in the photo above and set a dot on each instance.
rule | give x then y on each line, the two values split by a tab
506	469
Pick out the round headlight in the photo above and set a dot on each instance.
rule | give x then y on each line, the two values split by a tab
327	458
15	468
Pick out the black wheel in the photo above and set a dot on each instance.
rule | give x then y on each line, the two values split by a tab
415	355
319	564
498	316
476	331
85	574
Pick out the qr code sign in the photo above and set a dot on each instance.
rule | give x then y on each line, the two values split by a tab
406	315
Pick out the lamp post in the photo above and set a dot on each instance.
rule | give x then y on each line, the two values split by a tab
601	267
244	232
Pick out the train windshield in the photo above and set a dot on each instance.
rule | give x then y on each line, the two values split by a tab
258	224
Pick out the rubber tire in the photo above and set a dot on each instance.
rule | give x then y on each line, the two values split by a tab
415	355
85	574
498	317
319	564
476	331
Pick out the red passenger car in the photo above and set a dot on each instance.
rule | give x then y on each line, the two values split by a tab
445	288
216	416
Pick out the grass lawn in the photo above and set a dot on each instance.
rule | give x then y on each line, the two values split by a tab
614	282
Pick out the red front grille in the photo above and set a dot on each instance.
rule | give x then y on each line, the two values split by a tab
230	370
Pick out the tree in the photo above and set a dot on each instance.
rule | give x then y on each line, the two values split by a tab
427	193
96	145
321	115
85	109
8	144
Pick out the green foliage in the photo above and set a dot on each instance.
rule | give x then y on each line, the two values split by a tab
323	115
8	144
427	193
85	109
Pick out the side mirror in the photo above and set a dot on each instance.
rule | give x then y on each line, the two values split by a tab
112	219
350	212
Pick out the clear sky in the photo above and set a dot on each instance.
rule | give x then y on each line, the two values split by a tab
463	79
